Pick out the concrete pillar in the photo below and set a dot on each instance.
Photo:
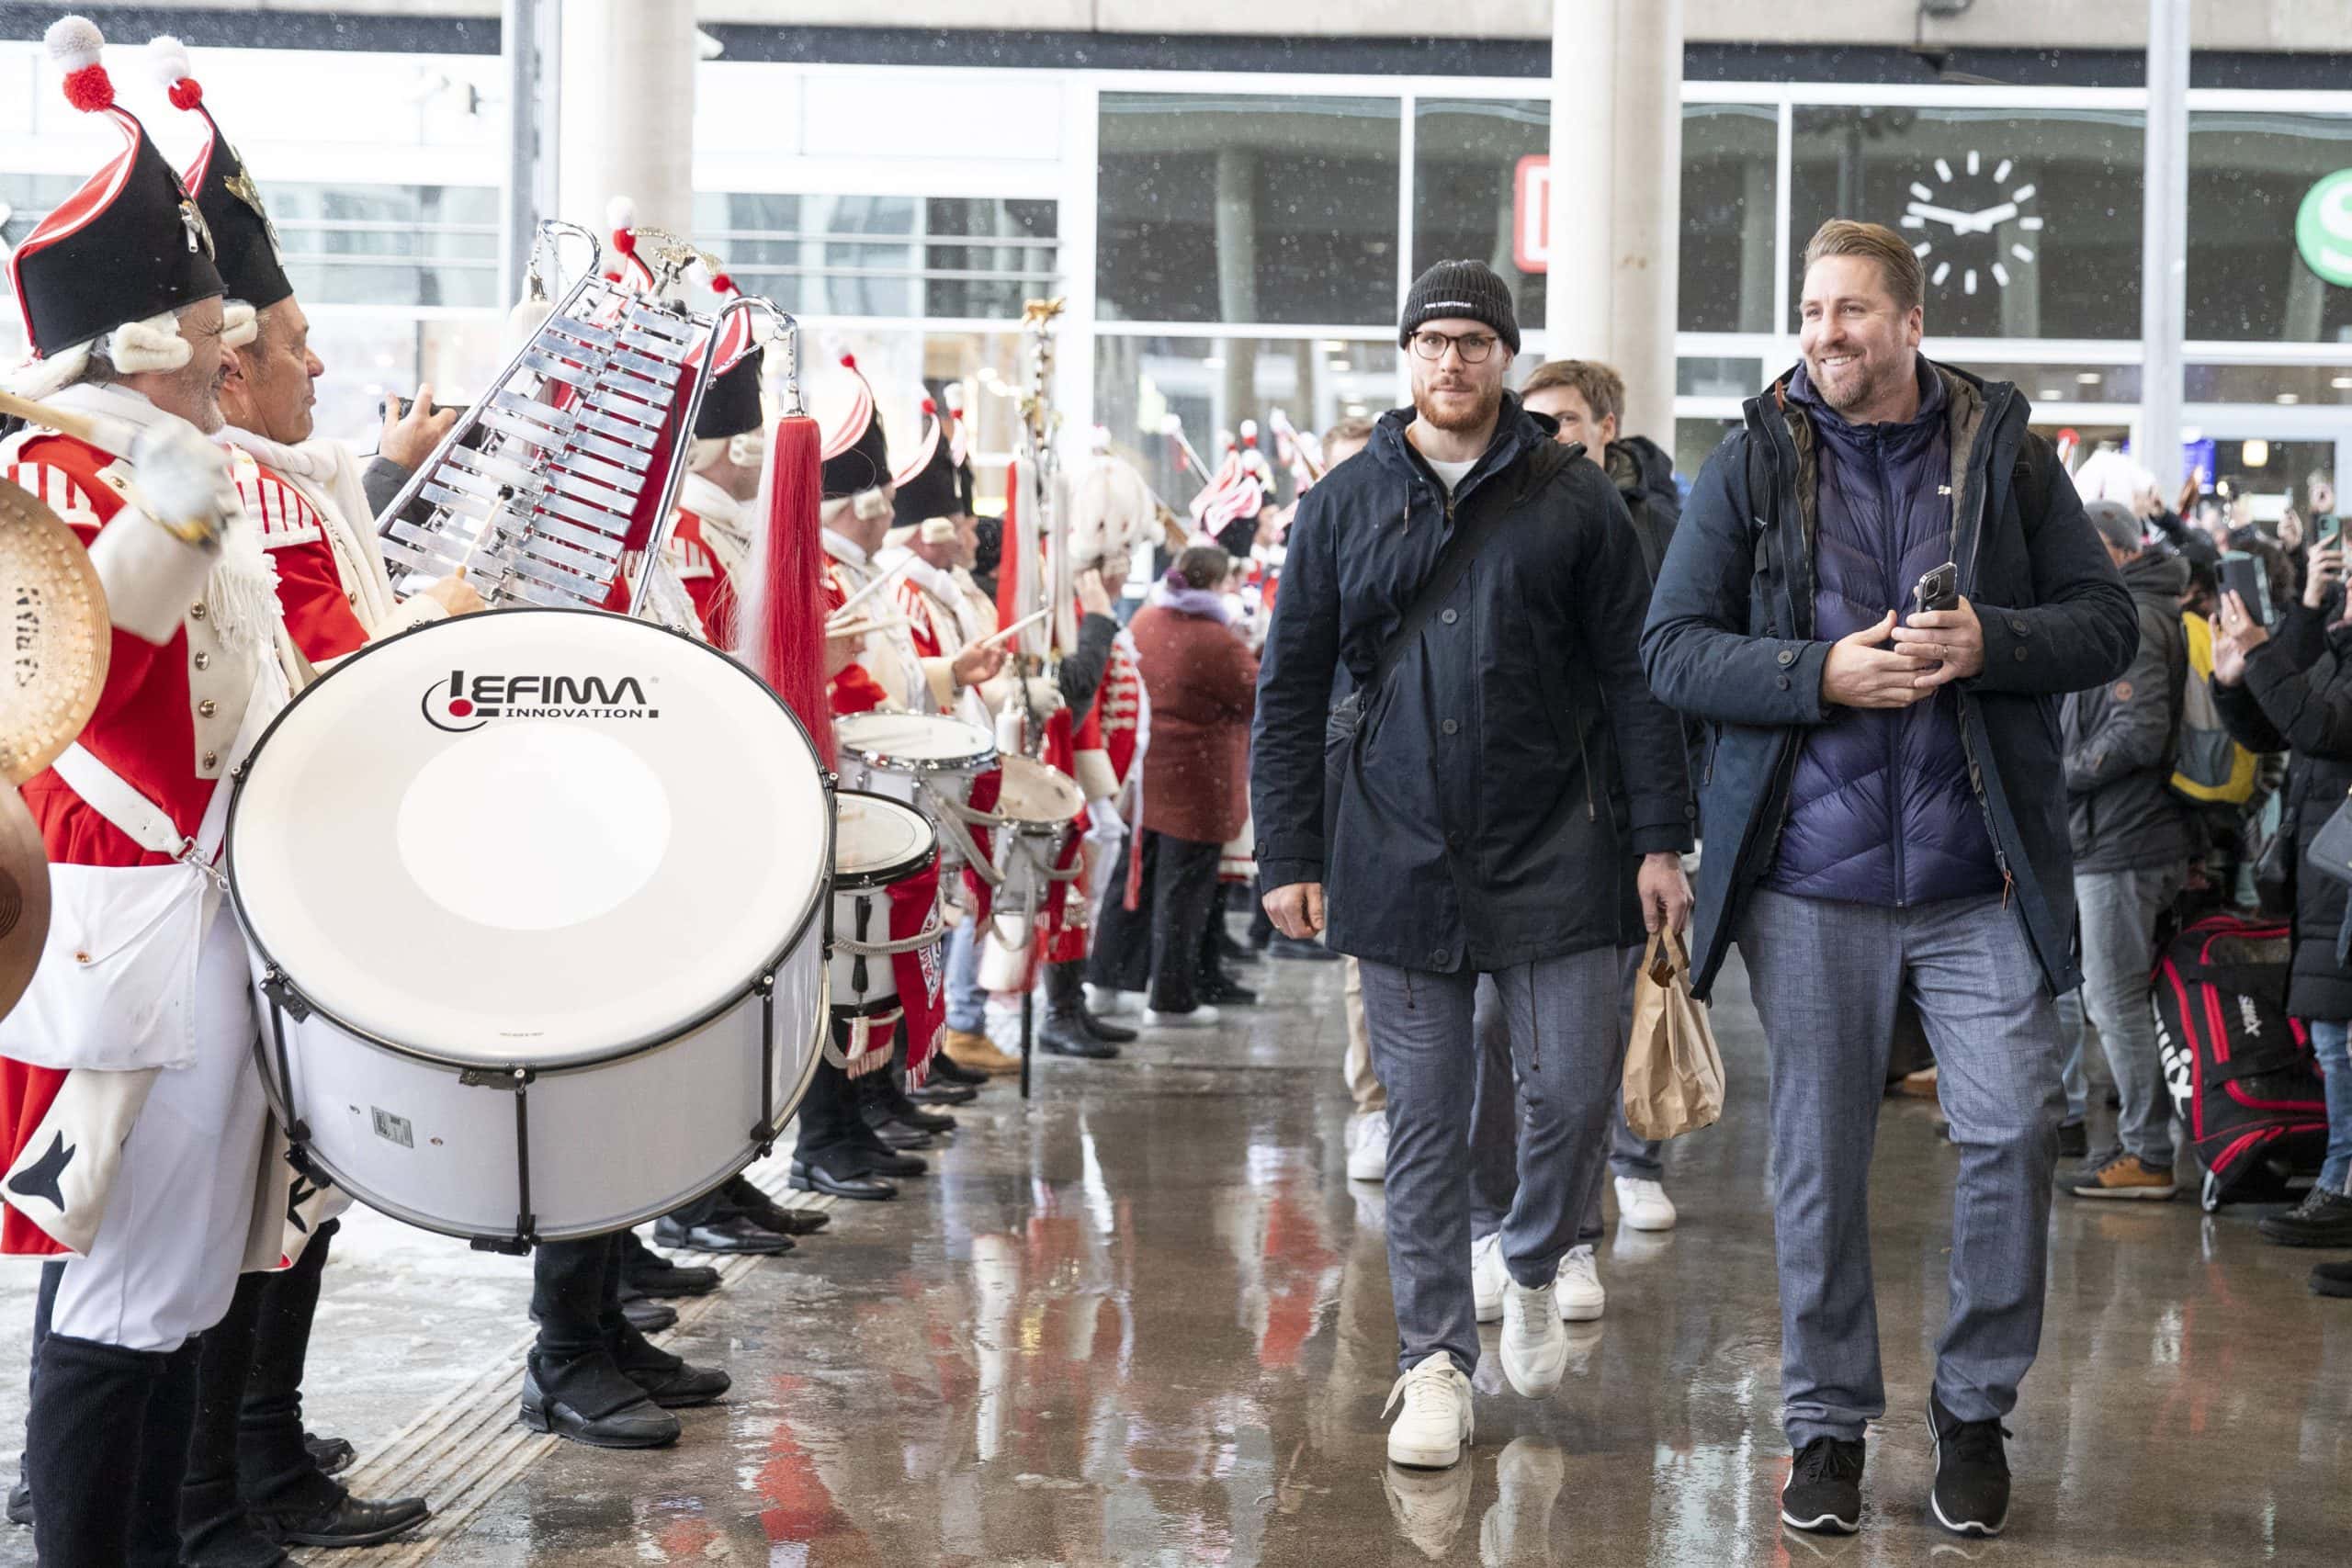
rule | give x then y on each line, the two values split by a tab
1616	138
1237	281
530	33
1759	254
627	111
2164	241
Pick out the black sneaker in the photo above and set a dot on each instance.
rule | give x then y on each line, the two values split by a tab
1824	1493
2328	1280
1971	1496
2073	1141
2322	1219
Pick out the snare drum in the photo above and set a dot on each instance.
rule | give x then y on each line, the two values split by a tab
1037	807
928	761
539	897
878	843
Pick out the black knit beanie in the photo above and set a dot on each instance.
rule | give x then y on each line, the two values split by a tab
1467	288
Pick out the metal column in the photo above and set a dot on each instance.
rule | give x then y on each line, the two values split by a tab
2164	244
530	34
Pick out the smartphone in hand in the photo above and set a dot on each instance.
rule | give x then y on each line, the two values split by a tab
1937	589
2242	575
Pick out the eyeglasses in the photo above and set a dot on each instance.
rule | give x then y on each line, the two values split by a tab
1472	346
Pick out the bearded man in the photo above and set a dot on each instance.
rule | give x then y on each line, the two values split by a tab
1511	801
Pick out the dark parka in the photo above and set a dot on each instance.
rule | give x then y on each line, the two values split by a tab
2297	696
1731	639
1506	776
2120	738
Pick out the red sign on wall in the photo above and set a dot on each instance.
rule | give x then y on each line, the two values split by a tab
1531	214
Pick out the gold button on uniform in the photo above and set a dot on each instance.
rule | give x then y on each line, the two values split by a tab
204	661
211	761
196	611
207	708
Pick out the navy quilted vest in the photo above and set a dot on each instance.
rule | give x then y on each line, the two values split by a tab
1880	808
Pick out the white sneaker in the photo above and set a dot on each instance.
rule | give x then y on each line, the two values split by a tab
1488	1275
1578	1289
1534	1344
1107	1002
1368	1147
1643	1204
1435	1424
1202	1017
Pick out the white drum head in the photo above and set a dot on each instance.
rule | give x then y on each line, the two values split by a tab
538	836
1035	793
914	740
877	840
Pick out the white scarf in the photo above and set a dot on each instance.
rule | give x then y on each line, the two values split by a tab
328	476
725	527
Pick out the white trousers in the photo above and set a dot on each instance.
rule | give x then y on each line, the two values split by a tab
164	1262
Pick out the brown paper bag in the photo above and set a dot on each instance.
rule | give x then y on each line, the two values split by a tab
1674	1076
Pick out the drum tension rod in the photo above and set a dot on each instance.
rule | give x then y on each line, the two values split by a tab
764	1133
526	1235
283	999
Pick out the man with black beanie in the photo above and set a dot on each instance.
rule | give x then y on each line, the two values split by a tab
1501	796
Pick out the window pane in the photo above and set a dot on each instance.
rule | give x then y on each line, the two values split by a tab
389	244
757	235
2027	221
1011	241
2285	385
1213	384
1730	154
2247	176
1466	178
1248	210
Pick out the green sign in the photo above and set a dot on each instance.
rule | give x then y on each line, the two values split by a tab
2324	228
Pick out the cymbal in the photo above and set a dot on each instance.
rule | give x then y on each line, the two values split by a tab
23	897
59	639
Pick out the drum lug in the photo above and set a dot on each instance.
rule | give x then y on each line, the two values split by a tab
275	988
496	1077
505	1246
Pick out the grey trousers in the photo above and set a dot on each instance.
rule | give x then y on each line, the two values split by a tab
1825	977
2119	909
1494	1120
1567	1054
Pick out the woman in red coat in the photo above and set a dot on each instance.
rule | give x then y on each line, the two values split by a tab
1202	681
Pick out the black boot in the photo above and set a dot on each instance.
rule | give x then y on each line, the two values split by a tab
1062	1031
20	1496
108	1444
1065	993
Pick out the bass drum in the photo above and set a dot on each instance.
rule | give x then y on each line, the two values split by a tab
539	900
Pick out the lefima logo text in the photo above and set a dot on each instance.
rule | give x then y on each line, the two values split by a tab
465	702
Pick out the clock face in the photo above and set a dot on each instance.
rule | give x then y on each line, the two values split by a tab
1972	223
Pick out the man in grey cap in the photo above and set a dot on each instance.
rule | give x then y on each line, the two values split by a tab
2131	836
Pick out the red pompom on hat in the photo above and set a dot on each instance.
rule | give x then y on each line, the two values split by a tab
75	43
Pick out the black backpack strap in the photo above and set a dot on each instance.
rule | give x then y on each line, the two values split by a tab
1547	460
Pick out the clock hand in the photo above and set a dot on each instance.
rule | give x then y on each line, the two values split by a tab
1985	220
1961	222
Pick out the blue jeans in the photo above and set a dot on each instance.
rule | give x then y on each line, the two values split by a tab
2118	911
1825	978
967	1003
1568	1059
2336	1061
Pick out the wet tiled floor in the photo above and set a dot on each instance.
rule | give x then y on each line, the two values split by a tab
1145	1319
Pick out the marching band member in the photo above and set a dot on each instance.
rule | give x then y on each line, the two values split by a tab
131	1110
252	1480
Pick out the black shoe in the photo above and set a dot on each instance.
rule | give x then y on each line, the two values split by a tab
869	1156
1971	1496
645	1272
649	1317
854	1186
642	1425
1233	952
1293	947
1220	991
946	1069
2328	1280
20	1504
670	1381
1061	1035
1102	1030
897	1135
2073	1141
730	1236
1823	1495
332	1455
2322	1219
925	1121
770	1215
354	1521
944	1094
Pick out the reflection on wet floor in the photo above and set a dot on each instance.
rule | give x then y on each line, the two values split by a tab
1145	1320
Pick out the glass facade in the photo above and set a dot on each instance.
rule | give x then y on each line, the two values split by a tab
2249	175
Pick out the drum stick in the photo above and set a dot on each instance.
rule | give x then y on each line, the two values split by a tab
861	626
57	419
1023	624
870	589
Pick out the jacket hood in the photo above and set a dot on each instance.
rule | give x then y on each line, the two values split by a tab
1639	466
2153	574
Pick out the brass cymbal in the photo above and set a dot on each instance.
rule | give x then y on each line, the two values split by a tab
23	899
59	639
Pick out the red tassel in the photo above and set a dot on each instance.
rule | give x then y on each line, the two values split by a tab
721	284
185	93
849	362
785	630
90	89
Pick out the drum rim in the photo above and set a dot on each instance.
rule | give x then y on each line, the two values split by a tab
896	871
820	901
975	763
788	1106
